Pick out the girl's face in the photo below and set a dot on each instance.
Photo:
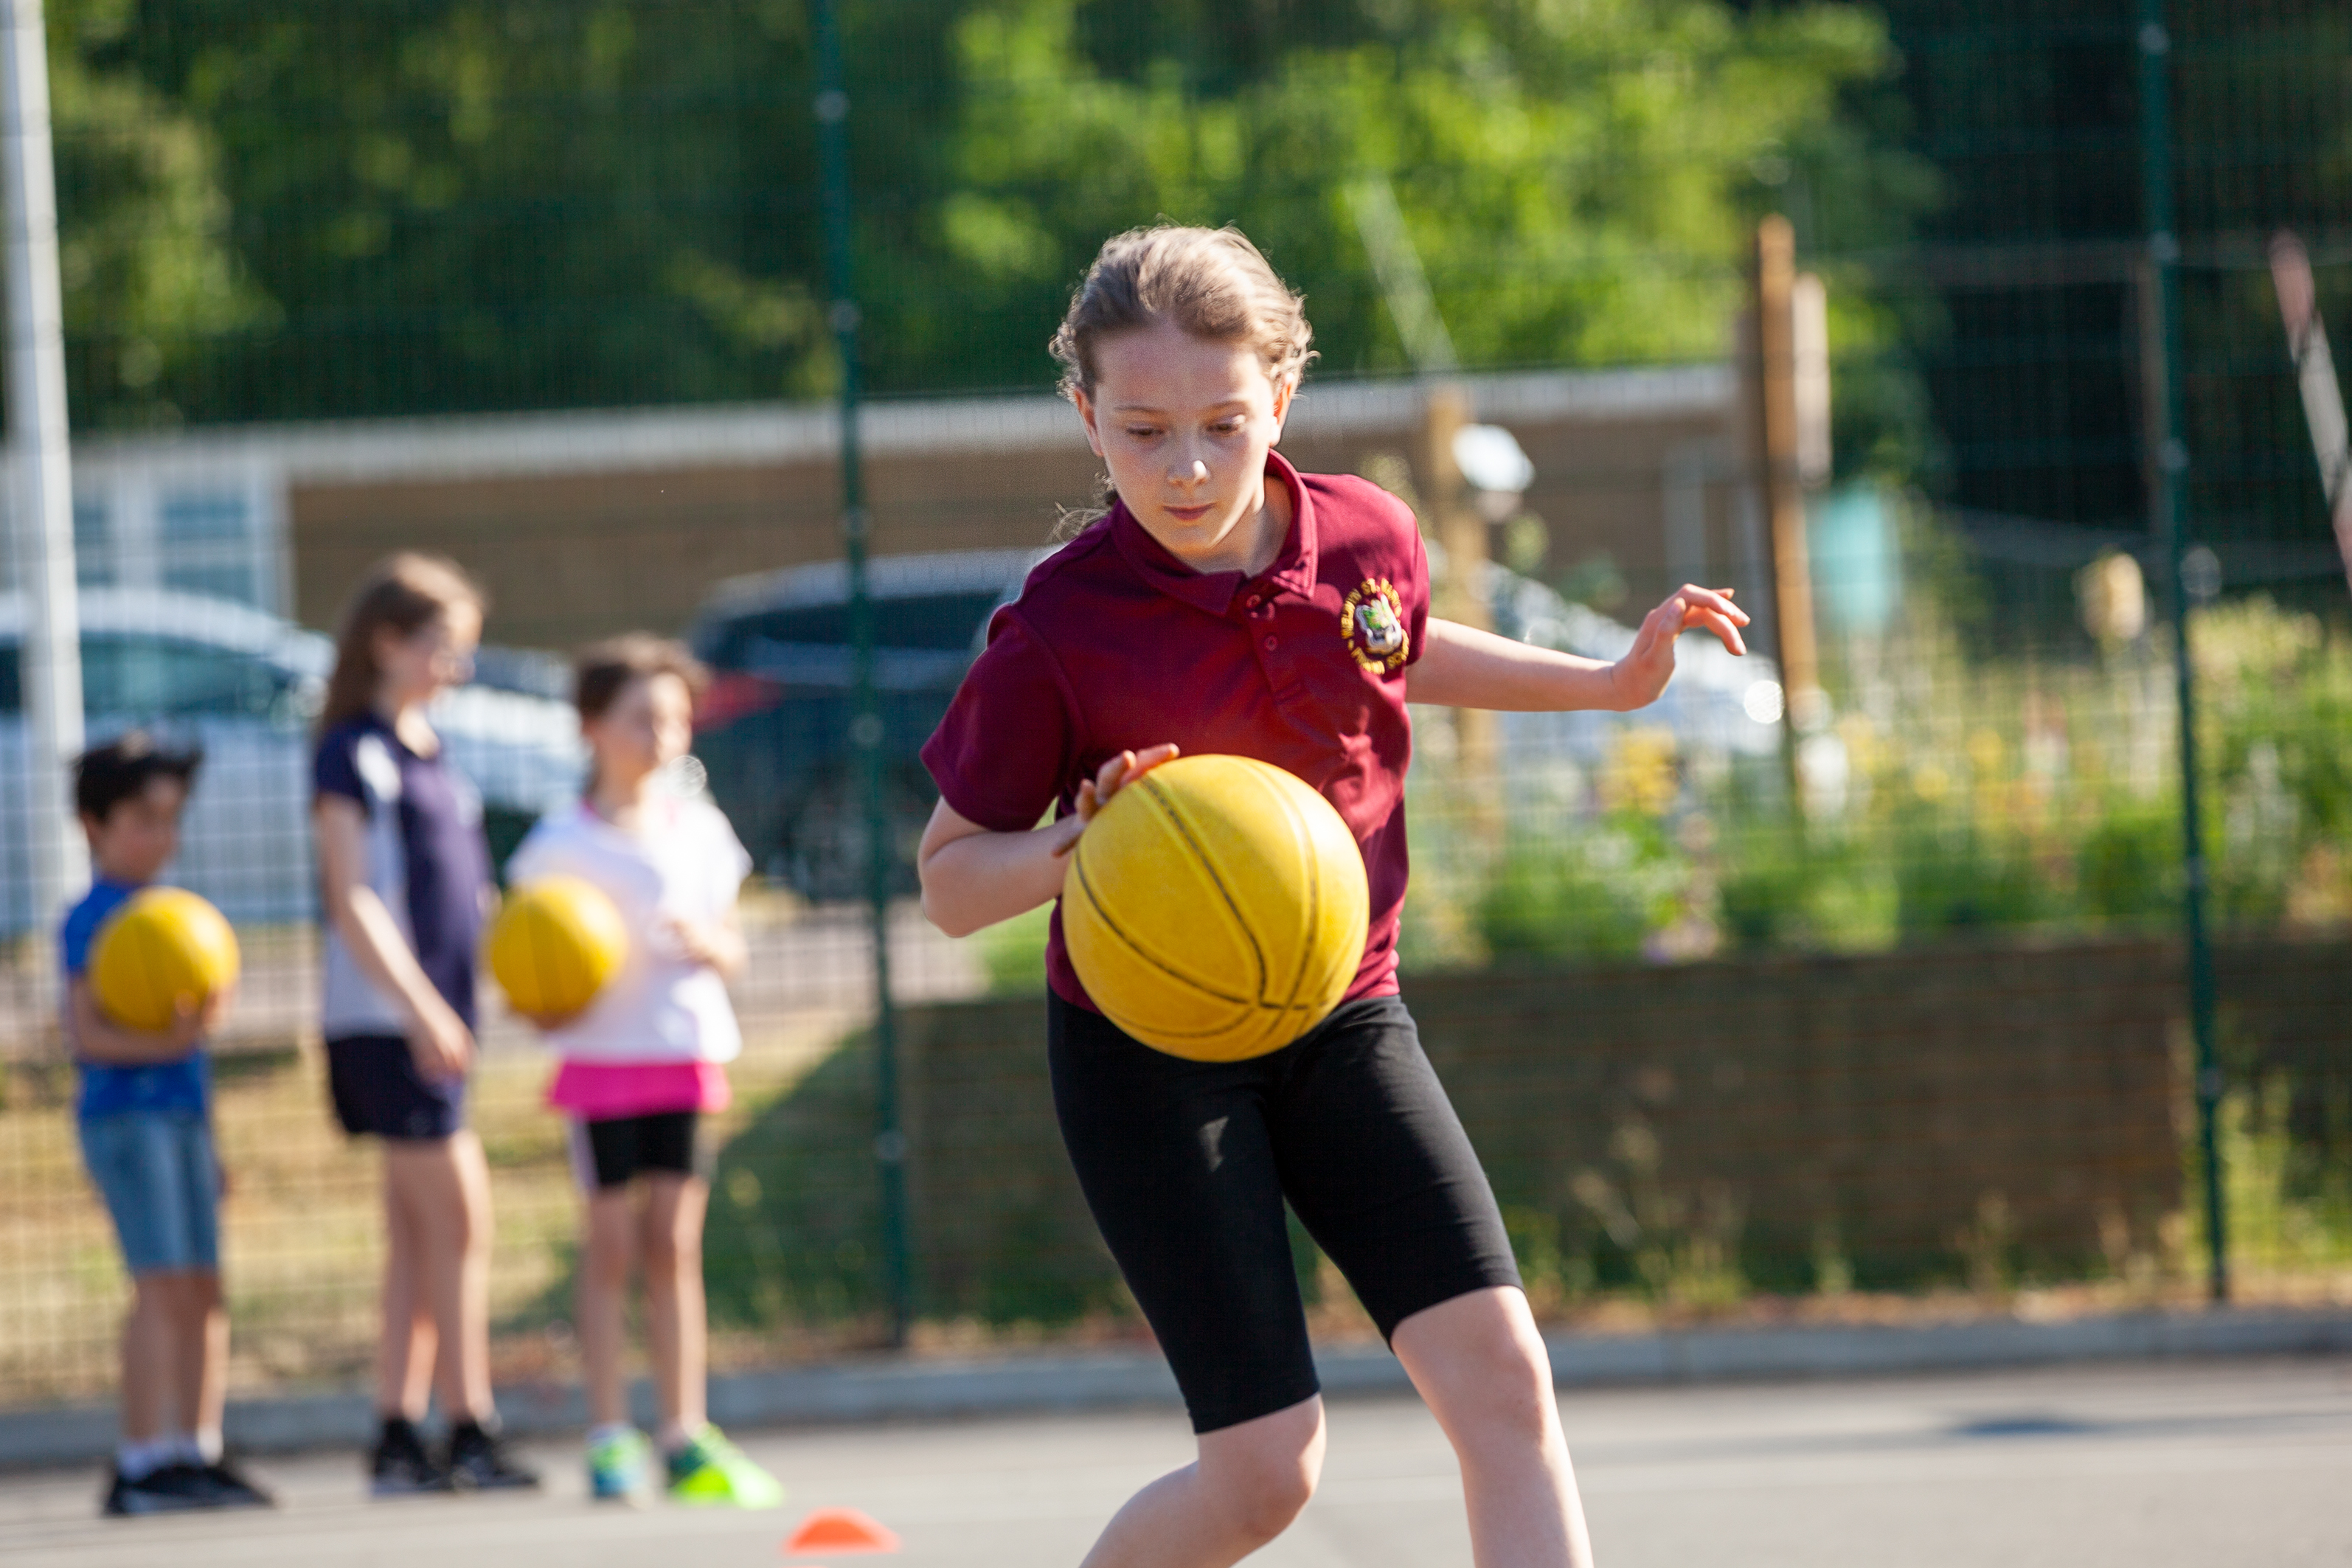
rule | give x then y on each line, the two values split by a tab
417	666
1184	425
648	727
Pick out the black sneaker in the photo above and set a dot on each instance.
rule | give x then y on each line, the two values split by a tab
480	1460
232	1488
400	1467
173	1488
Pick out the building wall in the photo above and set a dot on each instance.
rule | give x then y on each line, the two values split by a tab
581	543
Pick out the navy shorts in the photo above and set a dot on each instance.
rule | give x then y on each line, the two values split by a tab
1186	1166
378	1092
162	1185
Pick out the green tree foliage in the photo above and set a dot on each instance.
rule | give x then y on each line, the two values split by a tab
438	205
481	203
150	281
1576	178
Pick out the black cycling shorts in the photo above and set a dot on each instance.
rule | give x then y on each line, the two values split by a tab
1186	1164
617	1151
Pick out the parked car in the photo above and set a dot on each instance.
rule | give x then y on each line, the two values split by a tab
247	686
774	727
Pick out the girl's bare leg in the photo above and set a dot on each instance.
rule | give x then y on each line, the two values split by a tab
447	1184
404	1366
676	1331
1249	1483
1482	1368
602	1299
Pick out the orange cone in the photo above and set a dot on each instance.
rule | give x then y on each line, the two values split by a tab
840	1530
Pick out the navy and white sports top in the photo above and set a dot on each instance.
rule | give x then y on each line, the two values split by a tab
427	860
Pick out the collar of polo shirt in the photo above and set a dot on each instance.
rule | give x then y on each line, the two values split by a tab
1293	568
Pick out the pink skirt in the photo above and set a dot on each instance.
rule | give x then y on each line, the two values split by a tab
602	1091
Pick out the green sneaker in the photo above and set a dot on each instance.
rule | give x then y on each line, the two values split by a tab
711	1471
618	1466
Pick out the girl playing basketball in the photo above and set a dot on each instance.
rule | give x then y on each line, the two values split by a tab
1203	612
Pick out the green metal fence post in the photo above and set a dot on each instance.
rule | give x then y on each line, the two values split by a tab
866	724
2171	502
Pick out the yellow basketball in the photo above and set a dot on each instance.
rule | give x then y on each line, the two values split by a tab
1216	909
554	945
164	952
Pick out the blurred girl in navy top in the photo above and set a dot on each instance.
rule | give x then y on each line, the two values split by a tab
404	877
1228	602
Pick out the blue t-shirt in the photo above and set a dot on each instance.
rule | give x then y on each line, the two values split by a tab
109	1089
427	859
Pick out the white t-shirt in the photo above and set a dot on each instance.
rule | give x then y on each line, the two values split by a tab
659	1008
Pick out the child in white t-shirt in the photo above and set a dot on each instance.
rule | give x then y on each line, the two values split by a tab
646	1060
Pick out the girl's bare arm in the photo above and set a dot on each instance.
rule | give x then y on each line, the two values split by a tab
715	943
375	939
1461	666
973	877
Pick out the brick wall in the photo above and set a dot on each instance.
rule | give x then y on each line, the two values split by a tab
1904	1117
567	557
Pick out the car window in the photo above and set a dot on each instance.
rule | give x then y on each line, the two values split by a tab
142	675
944	621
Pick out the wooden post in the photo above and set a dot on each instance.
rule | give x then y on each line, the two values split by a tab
1461	595
1459	527
1784	496
1778	467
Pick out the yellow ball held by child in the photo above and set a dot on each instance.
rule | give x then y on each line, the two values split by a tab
554	945
1215	908
164	953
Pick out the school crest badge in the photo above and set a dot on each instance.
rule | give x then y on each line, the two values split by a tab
1371	618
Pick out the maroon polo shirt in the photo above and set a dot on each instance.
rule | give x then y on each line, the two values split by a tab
1115	644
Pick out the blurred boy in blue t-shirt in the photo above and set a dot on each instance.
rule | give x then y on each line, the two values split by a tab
145	1117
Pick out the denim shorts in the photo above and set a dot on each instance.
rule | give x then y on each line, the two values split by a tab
162	1184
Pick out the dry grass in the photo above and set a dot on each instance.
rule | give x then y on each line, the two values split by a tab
301	1235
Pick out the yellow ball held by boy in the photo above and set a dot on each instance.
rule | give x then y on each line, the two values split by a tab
552	947
163	954
1217	908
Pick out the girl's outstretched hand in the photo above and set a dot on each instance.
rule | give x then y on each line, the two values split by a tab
1649	664
1095	792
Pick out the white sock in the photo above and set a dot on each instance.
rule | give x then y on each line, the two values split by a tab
201	1447
137	1461
674	1436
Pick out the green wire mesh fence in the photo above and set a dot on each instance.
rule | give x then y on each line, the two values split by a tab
1875	1002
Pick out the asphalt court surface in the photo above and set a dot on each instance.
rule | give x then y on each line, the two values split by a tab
2216	1464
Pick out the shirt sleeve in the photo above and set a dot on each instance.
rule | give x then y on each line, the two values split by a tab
727	864
1415	590
74	938
1007	748
336	769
